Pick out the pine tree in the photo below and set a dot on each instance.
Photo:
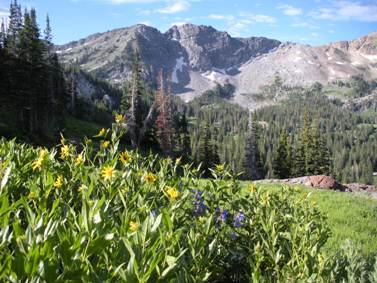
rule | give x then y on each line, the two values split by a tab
252	162
280	164
185	138
14	28
48	37
299	163
48	31
124	101
3	38
207	153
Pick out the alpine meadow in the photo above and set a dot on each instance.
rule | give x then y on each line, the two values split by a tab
184	153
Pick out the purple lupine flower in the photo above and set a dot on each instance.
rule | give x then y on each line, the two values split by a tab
224	215
239	217
233	236
198	203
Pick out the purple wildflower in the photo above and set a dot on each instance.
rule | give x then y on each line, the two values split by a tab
224	215
198	203
239	217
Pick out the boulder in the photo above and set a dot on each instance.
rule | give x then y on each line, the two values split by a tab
355	187
324	182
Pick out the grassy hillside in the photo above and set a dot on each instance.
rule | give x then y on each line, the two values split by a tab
349	217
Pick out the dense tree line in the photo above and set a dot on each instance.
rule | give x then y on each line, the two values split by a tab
32	89
319	135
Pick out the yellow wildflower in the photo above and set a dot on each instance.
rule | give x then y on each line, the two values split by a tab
101	133
108	172
64	151
220	168
150	178
31	195
133	226
62	139
42	153
119	118
37	164
252	188
172	192
105	144
79	160
178	160
59	182
125	157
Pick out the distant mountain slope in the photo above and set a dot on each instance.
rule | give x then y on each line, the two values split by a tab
195	58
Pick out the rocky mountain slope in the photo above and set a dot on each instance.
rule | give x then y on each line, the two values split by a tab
195	58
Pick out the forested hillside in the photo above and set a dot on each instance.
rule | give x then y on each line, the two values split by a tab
32	85
349	136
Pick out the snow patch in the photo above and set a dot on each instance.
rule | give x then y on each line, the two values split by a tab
180	62
310	62
329	58
339	63
332	71
356	63
298	52
297	59
370	57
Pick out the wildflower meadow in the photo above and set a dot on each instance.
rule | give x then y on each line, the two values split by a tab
96	212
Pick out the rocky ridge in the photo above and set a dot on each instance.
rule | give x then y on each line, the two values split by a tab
195	58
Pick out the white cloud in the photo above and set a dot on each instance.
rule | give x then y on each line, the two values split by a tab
304	25
259	18
345	10
221	17
290	10
175	7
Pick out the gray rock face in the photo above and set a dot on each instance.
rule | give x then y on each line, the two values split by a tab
195	58
208	48
180	51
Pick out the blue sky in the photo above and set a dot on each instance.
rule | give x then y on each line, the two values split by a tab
313	22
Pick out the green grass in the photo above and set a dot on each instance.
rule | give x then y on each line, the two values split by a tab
348	216
75	128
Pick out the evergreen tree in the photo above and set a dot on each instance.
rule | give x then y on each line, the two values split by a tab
3	41
124	101
281	166
185	137
252	161
207	152
14	28
48	31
